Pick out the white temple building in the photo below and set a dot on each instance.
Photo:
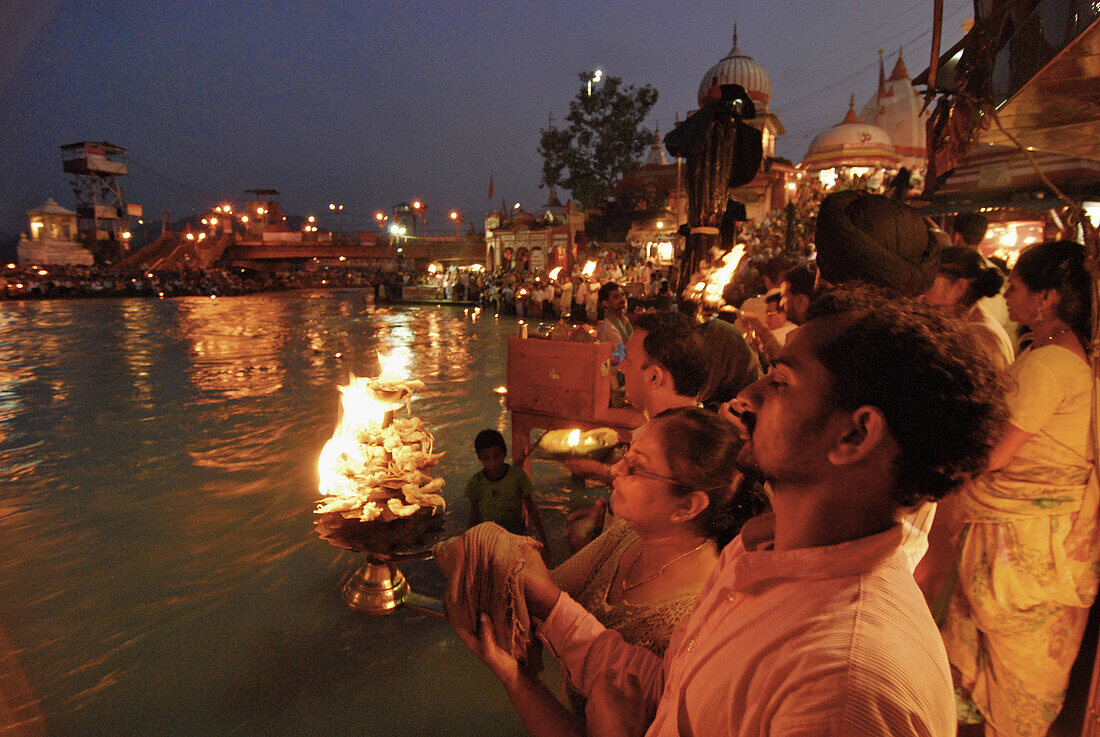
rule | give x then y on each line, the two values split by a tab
852	144
897	108
768	190
52	240
886	135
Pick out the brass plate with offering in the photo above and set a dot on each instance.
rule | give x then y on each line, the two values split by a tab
560	445
379	496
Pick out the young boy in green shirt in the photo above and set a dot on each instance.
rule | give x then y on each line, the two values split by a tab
500	492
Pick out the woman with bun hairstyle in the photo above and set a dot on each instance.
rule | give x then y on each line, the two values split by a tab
963	277
1027	539
677	498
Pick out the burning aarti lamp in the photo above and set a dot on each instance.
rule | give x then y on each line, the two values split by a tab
561	445
709	282
379	497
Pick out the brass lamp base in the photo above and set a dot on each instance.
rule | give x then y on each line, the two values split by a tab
376	587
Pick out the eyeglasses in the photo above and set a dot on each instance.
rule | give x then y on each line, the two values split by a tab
630	469
636	473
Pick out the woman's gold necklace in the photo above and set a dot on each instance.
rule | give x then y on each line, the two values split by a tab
662	569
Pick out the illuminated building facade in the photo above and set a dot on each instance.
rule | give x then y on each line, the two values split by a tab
52	238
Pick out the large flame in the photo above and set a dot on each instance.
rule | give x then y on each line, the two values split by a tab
362	412
712	279
589	268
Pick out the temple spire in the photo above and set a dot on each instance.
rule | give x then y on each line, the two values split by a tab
851	117
900	72
737	50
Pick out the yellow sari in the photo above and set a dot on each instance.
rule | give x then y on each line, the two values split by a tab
1027	575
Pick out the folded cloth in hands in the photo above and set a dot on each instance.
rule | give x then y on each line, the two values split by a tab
482	568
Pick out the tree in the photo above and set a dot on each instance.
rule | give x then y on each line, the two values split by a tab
603	140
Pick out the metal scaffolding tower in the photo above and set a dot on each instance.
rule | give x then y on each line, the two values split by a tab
104	216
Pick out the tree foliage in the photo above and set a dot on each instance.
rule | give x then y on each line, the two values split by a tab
604	138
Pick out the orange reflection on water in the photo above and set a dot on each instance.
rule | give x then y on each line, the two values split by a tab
234	345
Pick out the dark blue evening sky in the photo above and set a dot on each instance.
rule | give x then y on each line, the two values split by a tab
368	104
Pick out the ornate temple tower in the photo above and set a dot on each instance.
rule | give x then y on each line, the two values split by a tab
738	68
896	108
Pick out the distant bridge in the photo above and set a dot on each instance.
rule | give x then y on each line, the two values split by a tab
177	252
241	254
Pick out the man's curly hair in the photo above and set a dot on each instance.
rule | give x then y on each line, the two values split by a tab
942	397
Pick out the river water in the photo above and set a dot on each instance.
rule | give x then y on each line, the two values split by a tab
159	574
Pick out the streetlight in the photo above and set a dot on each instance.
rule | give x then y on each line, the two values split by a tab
420	209
457	220
596	77
338	209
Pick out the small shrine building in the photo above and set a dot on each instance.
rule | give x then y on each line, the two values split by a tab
52	239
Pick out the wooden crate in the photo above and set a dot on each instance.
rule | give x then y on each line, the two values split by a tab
559	377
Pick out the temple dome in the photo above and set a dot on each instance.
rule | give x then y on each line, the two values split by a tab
851	143
737	68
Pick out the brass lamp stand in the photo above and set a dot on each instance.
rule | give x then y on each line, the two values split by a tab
379	587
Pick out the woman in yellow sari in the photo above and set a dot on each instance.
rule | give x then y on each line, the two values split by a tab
1027	547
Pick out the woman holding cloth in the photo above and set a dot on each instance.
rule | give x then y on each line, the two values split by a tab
1026	573
677	498
675	507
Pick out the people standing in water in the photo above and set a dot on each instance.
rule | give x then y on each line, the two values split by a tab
501	492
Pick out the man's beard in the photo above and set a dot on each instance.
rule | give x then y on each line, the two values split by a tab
795	461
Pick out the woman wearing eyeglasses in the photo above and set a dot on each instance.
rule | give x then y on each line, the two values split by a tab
678	499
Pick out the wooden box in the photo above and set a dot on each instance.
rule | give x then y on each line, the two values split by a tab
559	377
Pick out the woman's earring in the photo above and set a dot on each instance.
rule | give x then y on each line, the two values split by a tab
677	517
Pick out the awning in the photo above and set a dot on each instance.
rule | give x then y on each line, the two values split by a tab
1058	110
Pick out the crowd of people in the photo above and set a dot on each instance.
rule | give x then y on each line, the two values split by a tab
891	532
574	294
863	500
67	282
